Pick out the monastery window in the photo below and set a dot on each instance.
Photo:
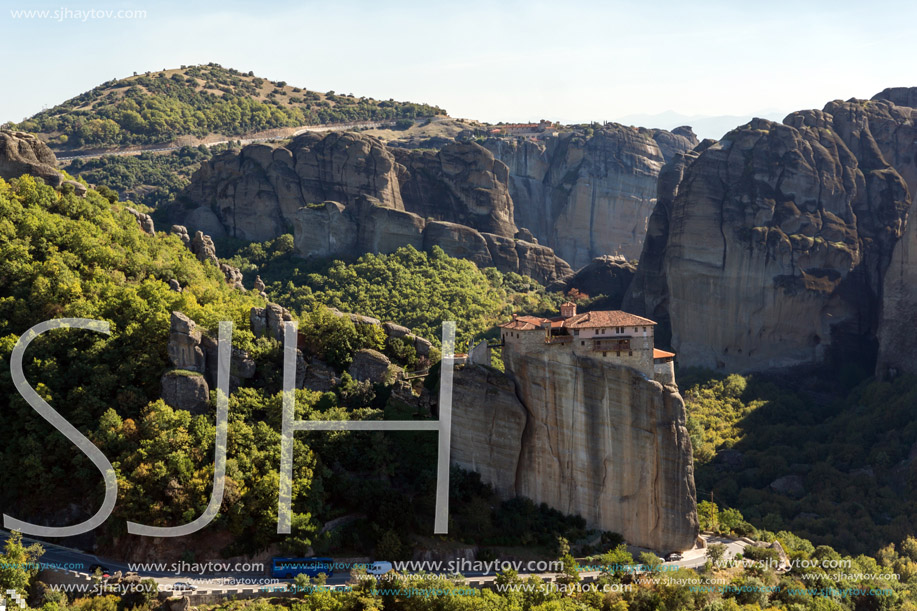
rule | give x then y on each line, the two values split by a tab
604	354
583	343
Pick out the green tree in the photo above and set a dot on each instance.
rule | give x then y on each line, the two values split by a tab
18	564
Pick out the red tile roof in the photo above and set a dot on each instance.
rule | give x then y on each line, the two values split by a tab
586	320
528	323
662	354
607	318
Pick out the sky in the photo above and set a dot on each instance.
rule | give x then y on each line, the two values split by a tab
572	61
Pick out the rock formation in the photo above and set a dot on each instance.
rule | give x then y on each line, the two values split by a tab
195	359
586	437
185	387
22	153
607	275
345	194
587	196
772	248
488	422
461	183
370	365
144	220
332	229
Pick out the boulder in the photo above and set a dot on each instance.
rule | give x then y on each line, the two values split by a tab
370	365
393	330
182	232
457	241
422	346
182	603
319	376
186	390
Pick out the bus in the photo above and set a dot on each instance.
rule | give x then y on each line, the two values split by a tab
288	568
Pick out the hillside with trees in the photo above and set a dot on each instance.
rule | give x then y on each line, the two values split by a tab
159	107
87	257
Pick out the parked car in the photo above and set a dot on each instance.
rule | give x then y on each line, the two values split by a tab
182	586
674	556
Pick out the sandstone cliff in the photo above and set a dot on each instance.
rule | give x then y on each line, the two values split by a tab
588	196
770	247
345	194
896	336
584	436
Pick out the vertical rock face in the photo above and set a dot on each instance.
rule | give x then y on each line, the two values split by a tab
462	183
774	249
586	437
604	442
589	196
487	425
648	293
255	193
897	339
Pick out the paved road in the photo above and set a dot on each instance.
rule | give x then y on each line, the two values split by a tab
73	558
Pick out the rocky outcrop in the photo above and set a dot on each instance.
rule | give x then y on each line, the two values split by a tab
332	229
201	245
370	365
269	321
22	153
775	249
203	248
585	436
184	346
346	194
144	220
587	196
195	358
185	387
